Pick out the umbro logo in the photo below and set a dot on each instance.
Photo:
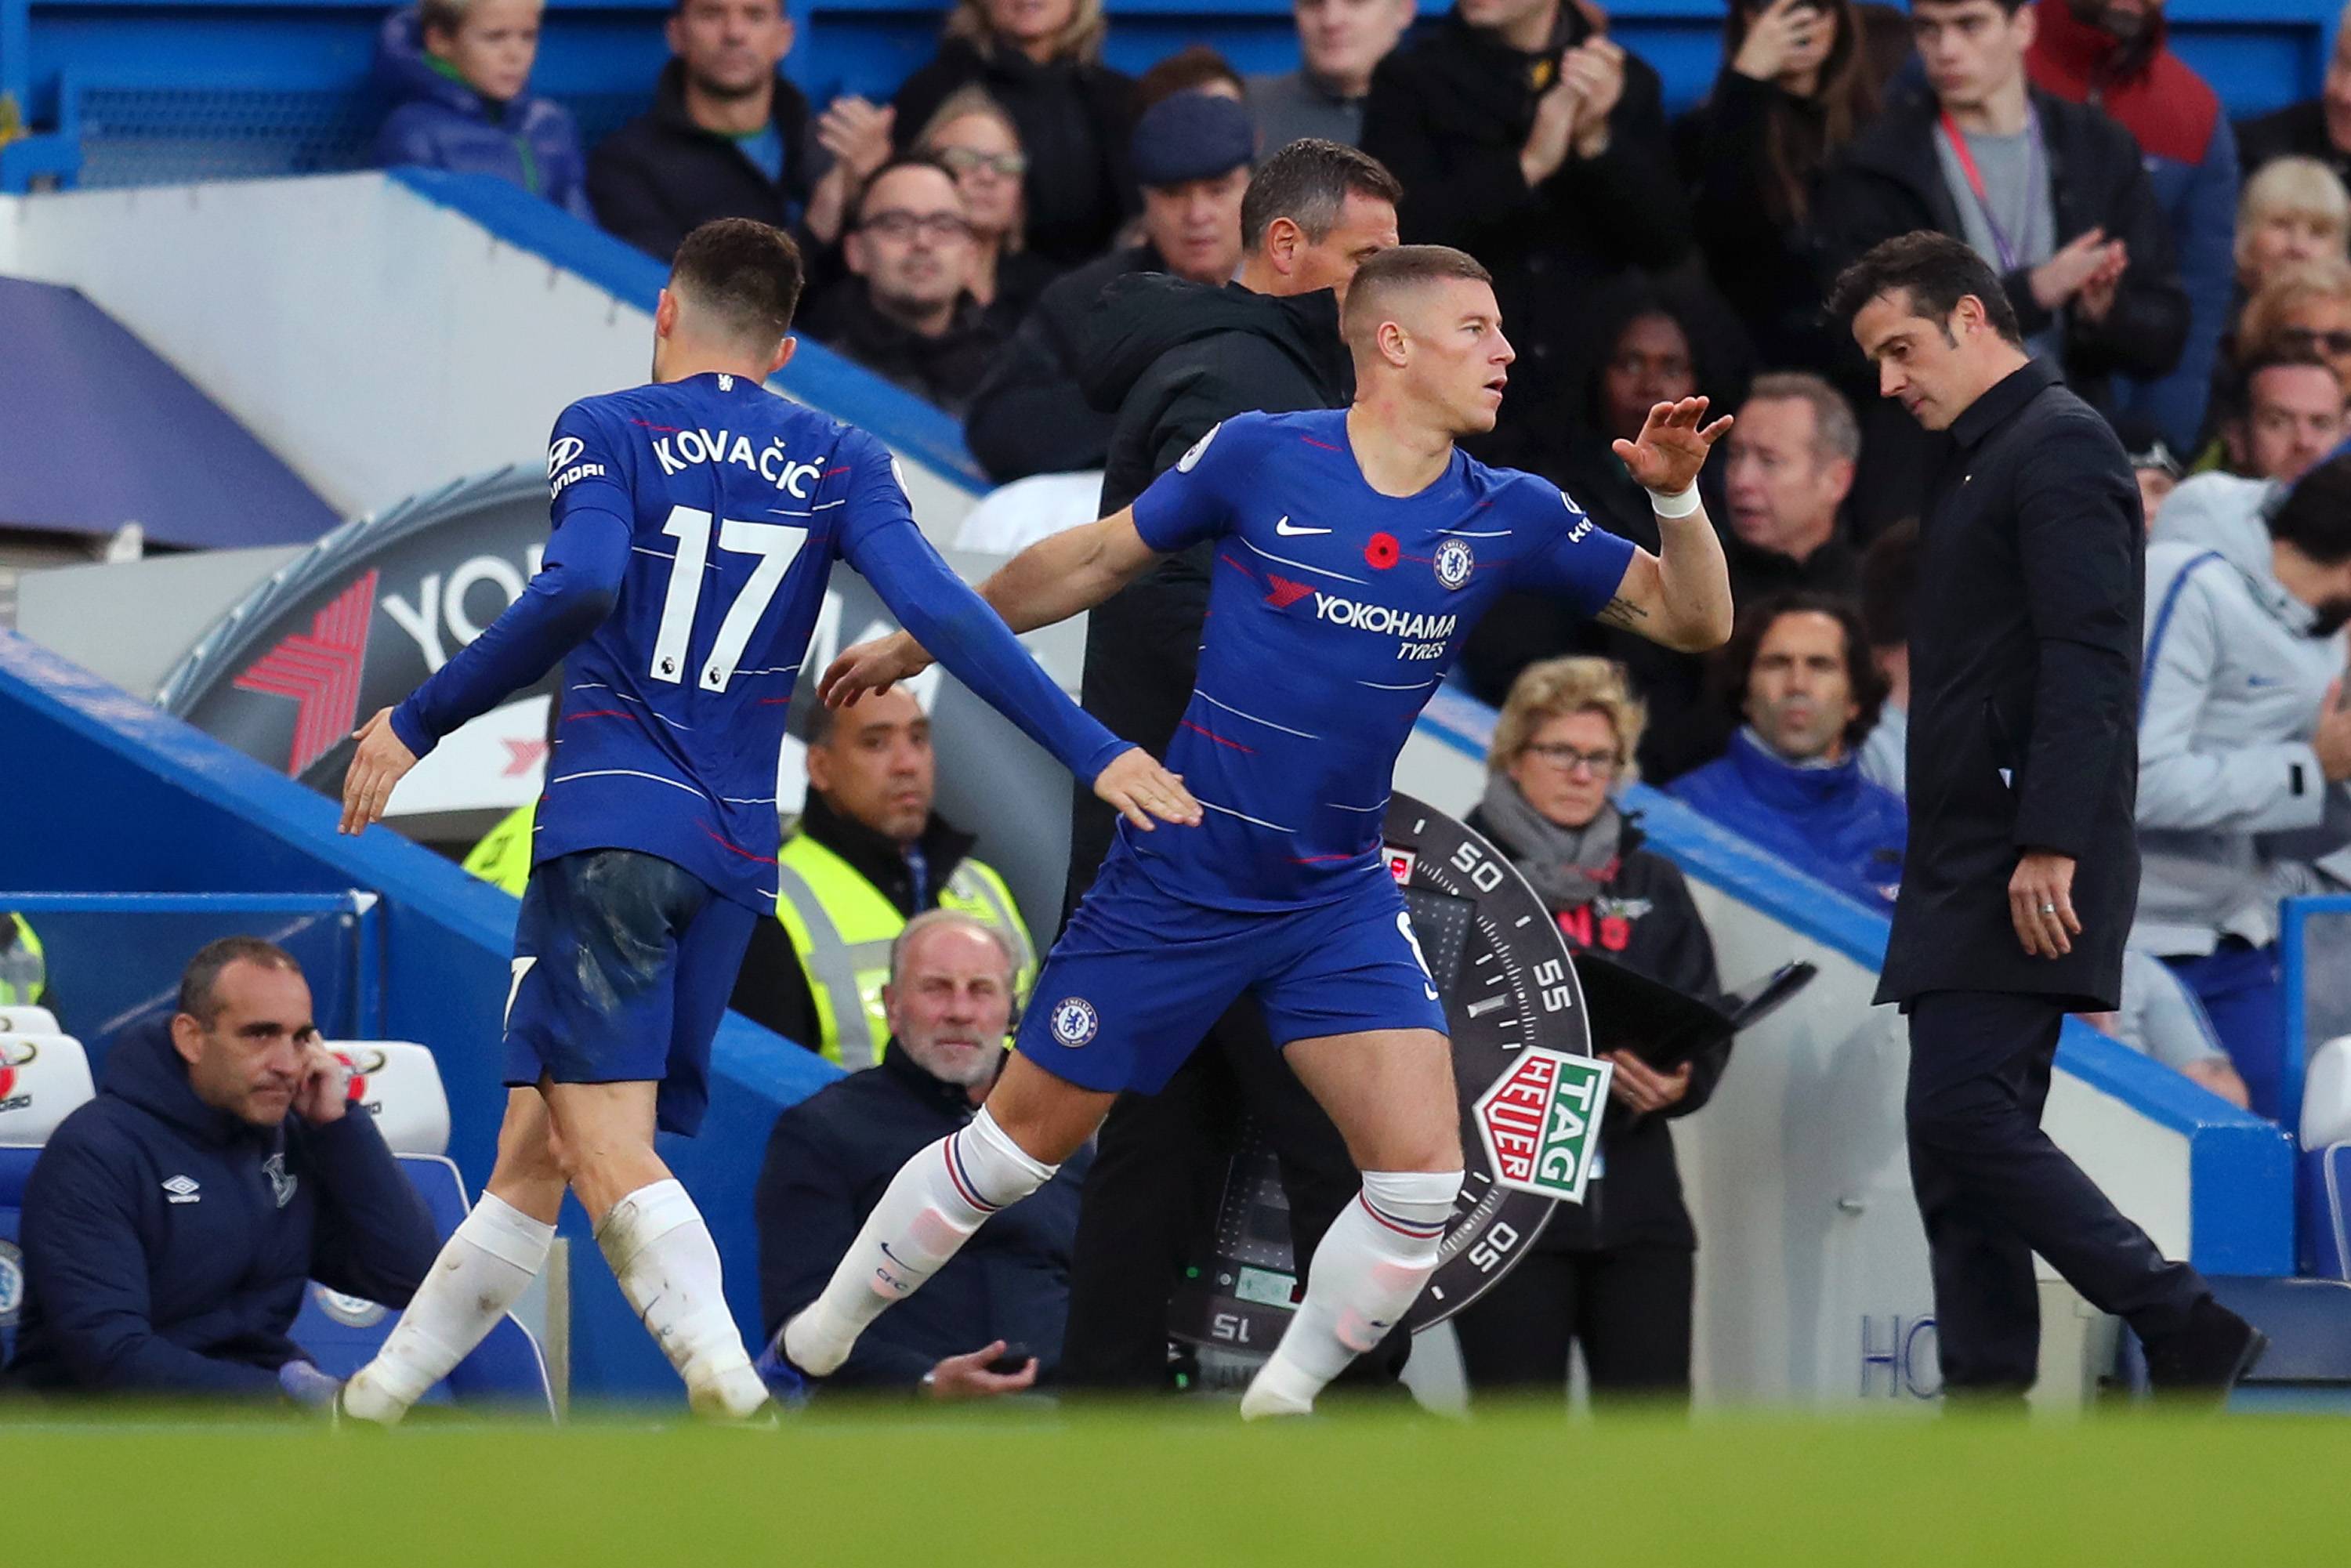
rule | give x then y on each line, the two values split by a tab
183	1189
1288	531
1285	592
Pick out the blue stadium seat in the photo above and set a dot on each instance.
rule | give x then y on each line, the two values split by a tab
343	1332
2326	1221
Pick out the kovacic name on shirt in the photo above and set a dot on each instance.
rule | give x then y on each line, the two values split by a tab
682	449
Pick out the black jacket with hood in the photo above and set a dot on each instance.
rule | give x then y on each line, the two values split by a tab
661	176
1030	414
1177	359
167	1244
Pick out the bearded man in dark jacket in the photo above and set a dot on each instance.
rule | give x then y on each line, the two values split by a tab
1177	359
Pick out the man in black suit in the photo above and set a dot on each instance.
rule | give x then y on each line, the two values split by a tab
2022	870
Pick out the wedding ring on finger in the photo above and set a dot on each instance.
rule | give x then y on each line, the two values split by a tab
2048	909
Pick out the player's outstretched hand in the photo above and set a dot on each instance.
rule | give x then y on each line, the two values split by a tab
875	666
1142	790
1673	447
381	761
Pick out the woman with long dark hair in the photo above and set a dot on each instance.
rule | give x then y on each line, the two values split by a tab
1796	87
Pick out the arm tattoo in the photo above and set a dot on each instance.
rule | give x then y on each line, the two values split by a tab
1621	612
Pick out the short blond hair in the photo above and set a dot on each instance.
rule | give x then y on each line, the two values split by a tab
2287	291
1555	688
2292	185
1080	40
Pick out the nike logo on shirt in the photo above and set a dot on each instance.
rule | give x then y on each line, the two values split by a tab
1286	531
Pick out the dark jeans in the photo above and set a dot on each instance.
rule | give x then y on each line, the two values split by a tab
1158	1174
1993	1189
1630	1306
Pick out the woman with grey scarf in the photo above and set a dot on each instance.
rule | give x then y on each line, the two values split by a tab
1616	1272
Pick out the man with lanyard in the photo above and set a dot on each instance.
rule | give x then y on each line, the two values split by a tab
2086	260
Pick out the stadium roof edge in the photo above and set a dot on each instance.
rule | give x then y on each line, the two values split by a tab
817	376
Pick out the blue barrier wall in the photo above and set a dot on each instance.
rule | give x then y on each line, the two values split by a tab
124	799
151	91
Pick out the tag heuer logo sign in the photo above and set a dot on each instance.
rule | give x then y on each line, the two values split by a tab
1540	1121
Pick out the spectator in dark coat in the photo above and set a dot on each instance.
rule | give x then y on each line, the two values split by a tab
905	310
1616	1272
1031	415
728	137
2068	219
1642	341
1526	138
2316	128
172	1224
832	1155
1794	89
980	146
1043	63
2117	55
459	74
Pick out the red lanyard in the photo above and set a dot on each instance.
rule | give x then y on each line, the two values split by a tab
2008	259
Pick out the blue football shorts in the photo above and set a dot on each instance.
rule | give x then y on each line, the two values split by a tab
1138	978
624	967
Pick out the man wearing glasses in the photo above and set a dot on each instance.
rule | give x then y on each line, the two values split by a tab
1798	676
907	309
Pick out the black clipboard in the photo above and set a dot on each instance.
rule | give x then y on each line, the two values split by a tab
1664	1026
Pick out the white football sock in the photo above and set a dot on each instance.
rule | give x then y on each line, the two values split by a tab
662	1253
483	1270
934	1204
1366	1276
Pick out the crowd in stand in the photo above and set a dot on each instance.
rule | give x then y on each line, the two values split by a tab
1088	270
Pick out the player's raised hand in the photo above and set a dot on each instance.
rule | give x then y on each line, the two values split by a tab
1142	790
381	761
875	666
1674	443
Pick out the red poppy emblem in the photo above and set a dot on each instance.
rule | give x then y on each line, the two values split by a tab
1383	551
1615	932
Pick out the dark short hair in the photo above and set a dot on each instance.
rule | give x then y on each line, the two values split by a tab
930	161
1308	182
2281	357
2011	7
1935	270
1889	584
746	273
2315	516
1405	266
1189	70
1735	660
200	981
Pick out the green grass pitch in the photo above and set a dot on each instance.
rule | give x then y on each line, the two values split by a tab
1094	1488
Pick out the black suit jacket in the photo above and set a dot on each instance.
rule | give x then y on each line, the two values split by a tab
2023	697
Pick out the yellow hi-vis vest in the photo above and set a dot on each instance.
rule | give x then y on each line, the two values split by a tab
842	927
503	857
24	971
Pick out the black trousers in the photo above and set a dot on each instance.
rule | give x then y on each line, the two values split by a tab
1158	1174
1630	1306
1993	1189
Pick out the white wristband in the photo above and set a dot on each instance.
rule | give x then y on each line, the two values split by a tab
1680	504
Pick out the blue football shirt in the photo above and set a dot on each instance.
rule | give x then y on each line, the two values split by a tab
1333	612
739	503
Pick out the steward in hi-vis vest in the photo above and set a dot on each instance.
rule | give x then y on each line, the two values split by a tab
24	972
870	855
